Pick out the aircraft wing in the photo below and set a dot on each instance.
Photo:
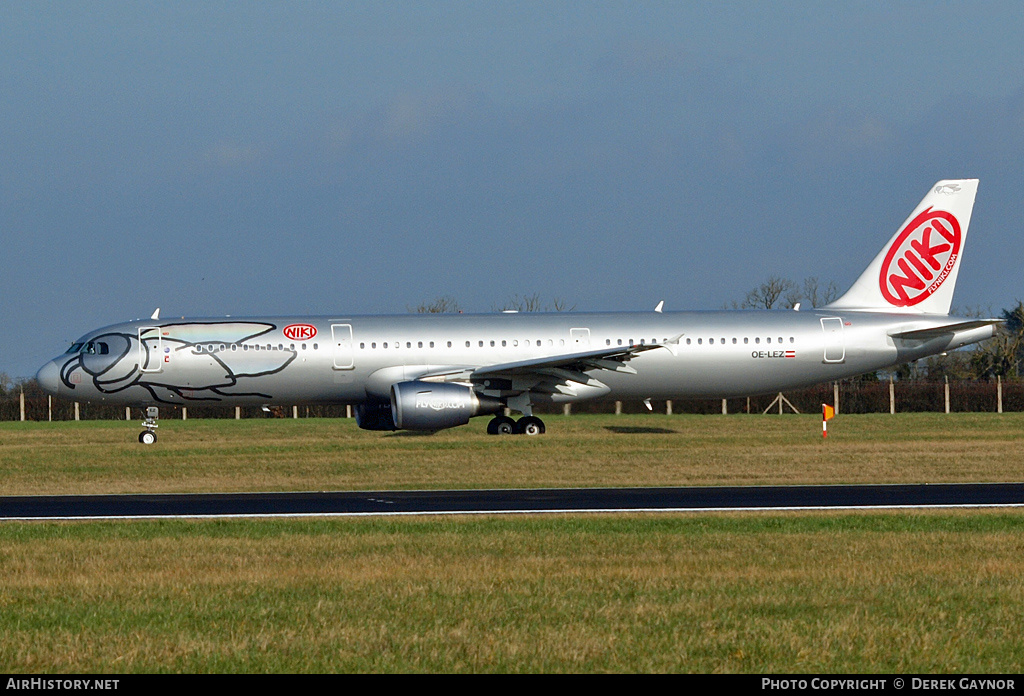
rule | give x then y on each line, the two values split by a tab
552	374
614	359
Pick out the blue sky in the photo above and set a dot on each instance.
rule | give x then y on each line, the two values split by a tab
363	157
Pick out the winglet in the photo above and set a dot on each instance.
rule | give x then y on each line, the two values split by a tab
156	314
661	305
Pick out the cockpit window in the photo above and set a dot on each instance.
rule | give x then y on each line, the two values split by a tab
90	348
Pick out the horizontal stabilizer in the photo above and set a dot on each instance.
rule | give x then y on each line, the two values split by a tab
936	331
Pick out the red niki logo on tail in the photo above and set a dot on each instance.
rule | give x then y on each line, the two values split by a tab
921	258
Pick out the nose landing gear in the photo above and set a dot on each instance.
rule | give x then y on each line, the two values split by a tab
148	436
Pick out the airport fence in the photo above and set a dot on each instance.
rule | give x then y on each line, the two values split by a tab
855	396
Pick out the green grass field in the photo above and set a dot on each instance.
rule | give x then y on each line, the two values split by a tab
938	591
579	450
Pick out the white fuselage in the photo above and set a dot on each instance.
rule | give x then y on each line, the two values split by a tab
349	359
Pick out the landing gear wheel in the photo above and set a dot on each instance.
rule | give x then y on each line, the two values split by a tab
530	425
147	437
501	425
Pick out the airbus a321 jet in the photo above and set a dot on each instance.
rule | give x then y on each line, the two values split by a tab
434	371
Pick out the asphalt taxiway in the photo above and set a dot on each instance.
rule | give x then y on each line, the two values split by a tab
441	502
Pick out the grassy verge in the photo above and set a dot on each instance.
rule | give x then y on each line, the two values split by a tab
579	450
784	592
917	592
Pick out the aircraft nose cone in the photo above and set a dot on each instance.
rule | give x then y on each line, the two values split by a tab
48	378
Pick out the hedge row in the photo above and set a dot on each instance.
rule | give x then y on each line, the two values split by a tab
854	397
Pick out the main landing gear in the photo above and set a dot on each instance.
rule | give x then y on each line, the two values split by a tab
527	425
148	436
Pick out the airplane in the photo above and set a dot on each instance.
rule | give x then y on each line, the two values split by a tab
434	371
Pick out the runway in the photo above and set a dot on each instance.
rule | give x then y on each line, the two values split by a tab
542	500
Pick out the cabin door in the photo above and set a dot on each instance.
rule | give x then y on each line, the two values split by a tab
151	349
344	353
835	346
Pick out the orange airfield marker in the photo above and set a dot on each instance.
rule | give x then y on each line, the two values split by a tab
827	413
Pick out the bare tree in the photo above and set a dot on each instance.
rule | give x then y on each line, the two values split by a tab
785	294
445	304
817	296
533	303
768	293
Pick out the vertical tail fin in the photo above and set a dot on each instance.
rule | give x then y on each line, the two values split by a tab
915	273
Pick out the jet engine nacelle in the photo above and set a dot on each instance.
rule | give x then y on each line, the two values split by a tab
419	405
374	415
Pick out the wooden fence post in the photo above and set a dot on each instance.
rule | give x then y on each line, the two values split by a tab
23	405
999	393
618	408
892	397
947	393
835	396
668	407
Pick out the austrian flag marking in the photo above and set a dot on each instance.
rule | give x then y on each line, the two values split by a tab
921	258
